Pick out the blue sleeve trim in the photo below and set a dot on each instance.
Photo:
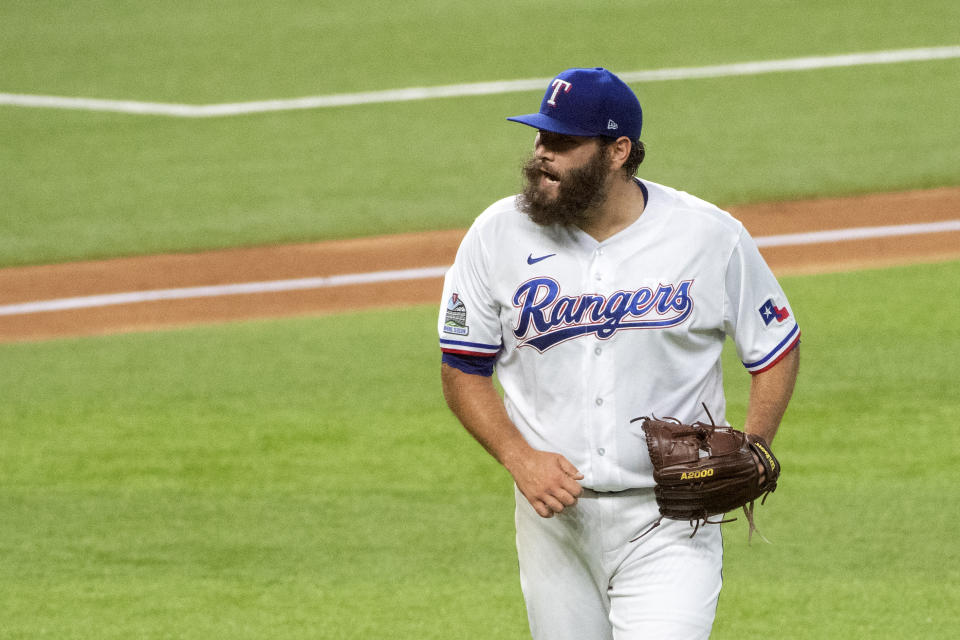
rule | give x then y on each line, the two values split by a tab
468	348
464	343
794	333
475	365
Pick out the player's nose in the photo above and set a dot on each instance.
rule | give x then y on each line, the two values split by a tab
540	150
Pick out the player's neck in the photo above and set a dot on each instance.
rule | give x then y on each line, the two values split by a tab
624	206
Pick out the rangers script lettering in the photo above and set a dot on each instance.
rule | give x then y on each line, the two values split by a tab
557	318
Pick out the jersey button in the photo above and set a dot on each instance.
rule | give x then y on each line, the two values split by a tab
599	401
598	351
601	451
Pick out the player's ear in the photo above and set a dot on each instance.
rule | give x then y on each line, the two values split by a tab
620	152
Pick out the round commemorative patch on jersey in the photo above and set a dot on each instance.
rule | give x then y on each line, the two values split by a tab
455	321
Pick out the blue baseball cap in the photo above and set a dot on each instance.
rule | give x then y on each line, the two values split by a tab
587	102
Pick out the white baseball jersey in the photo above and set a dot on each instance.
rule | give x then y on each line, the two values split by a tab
587	335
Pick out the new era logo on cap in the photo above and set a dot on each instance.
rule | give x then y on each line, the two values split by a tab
587	102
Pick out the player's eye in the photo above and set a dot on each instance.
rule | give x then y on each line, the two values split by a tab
558	142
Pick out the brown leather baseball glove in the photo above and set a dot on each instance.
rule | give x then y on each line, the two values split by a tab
703	470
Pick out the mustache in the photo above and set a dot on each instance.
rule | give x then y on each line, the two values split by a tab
534	168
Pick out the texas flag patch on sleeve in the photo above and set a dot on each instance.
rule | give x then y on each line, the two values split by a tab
778	325
771	313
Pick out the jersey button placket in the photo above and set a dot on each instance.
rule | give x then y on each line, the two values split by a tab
597	399
602	383
593	401
603	416
597	265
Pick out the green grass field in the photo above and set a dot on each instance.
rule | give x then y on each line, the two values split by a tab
242	481
118	184
302	478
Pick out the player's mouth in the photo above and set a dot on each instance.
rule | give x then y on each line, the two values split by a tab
549	178
542	178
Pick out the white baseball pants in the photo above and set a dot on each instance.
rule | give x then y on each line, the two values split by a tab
583	579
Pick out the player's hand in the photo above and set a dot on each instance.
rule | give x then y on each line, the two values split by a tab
548	481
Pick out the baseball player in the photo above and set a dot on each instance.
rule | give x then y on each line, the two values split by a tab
598	297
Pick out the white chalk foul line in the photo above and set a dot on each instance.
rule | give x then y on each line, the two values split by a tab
859	233
472	89
274	286
215	291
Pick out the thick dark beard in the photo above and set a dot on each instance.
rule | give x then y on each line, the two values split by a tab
581	191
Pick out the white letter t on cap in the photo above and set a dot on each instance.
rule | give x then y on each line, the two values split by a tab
558	84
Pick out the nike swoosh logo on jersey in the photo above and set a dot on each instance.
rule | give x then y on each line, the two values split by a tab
532	260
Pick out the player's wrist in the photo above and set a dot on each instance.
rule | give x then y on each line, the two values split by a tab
516	457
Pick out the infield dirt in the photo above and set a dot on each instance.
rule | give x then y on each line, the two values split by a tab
364	255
